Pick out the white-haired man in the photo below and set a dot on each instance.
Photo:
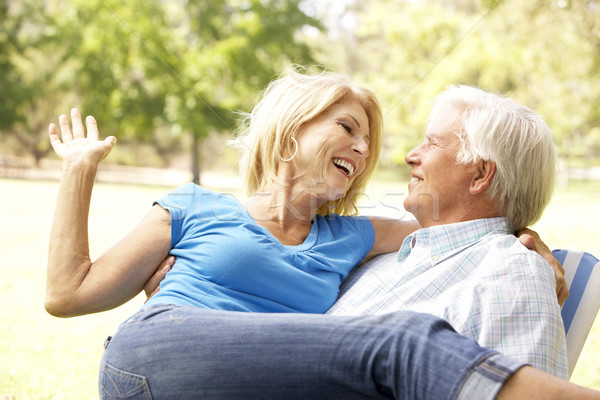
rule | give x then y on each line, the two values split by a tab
485	169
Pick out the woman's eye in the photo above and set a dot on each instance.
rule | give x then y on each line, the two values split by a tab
346	127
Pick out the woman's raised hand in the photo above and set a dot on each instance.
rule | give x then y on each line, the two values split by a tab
75	146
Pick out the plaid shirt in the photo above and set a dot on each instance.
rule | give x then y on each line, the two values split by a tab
477	276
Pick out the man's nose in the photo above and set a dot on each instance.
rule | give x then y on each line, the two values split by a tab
412	158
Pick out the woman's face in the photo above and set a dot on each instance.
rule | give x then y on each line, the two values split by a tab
332	149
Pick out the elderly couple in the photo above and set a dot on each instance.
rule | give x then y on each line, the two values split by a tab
251	306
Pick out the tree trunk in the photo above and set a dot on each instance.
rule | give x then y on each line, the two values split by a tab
196	158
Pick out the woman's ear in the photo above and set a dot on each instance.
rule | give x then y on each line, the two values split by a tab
484	173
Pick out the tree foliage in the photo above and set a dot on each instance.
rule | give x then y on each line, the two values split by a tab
139	66
543	53
27	74
160	71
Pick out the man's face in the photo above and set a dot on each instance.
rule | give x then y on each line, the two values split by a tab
439	189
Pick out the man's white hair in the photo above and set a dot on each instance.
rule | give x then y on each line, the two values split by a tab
517	140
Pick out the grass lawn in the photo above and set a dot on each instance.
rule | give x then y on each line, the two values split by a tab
42	357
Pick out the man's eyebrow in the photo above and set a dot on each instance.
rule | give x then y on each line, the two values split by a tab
435	135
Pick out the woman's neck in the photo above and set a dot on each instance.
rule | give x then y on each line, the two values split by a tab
286	213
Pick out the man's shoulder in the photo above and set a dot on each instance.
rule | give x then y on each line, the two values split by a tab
506	254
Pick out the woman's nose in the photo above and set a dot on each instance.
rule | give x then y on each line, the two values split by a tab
361	146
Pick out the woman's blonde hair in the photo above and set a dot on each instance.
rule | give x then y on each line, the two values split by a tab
285	105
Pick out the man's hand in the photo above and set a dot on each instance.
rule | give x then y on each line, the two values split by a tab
153	285
532	241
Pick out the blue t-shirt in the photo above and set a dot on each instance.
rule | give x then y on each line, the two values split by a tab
226	261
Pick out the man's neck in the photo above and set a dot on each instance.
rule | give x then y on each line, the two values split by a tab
462	213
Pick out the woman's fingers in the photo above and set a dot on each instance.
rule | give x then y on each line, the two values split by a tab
153	285
53	135
65	129
92	128
78	130
111	140
72	141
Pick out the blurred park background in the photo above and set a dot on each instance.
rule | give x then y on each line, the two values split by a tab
169	78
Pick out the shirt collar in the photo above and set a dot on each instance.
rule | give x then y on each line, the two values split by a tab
441	240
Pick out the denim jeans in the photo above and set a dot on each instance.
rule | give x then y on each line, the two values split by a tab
172	352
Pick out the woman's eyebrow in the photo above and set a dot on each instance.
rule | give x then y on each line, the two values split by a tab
353	119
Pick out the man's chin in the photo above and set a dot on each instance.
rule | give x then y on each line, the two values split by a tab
410	206
421	215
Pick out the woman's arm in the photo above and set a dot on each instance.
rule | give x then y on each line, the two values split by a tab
74	284
389	234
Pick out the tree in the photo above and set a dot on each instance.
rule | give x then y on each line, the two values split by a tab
9	79
28	55
227	51
141	65
544	54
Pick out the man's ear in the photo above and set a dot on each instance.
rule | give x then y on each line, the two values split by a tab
484	173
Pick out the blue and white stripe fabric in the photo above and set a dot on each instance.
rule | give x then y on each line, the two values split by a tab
477	276
582	273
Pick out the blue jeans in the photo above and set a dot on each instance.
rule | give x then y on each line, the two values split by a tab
171	352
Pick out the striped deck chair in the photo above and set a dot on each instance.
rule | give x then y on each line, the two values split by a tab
582	273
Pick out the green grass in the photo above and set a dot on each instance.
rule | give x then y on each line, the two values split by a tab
42	357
